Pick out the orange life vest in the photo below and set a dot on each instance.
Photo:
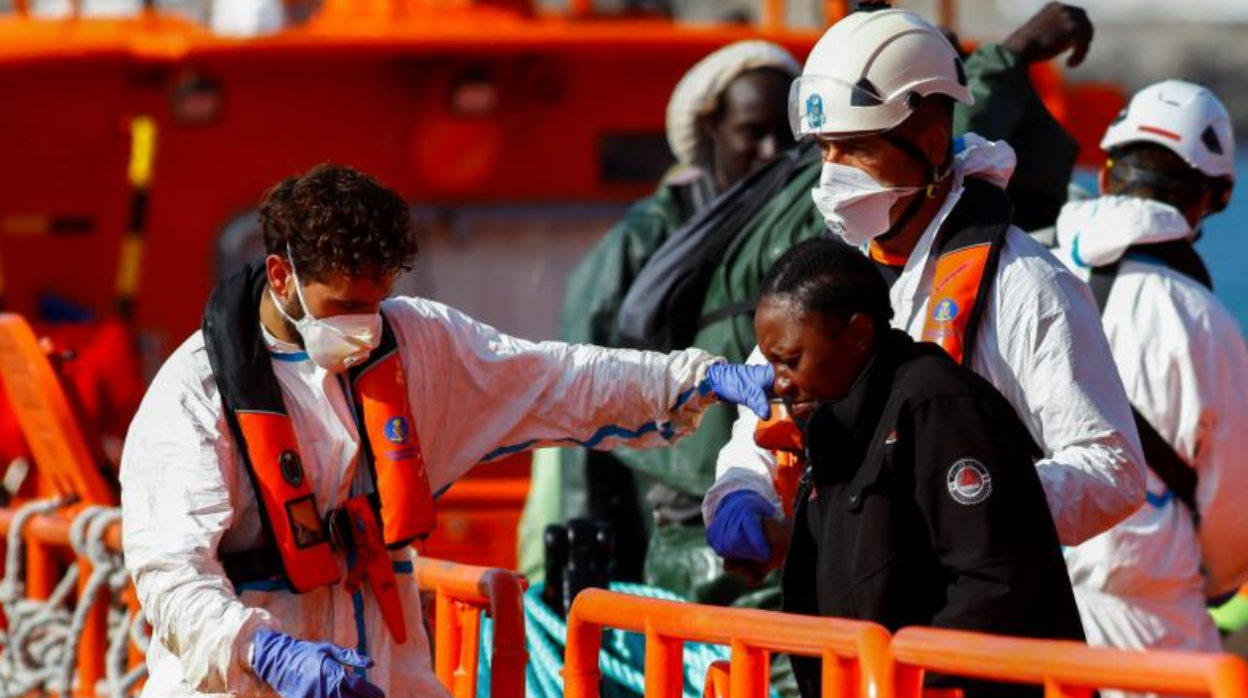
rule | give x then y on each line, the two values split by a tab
264	433
967	250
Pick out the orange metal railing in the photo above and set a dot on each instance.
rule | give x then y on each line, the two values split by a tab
1065	669
463	592
856	659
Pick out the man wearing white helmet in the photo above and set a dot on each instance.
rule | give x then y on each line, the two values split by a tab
878	92
1144	583
726	118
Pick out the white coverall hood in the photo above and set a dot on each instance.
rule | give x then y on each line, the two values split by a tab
1097	233
991	161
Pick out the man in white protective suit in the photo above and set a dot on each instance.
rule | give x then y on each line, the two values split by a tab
1144	583
288	453
877	92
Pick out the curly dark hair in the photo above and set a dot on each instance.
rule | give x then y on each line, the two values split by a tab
335	219
1150	171
829	277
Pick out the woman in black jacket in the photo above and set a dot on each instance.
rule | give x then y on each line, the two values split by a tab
921	505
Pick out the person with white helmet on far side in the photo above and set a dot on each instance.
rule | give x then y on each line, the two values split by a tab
1144	583
877	92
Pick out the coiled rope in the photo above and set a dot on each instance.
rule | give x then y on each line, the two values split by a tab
39	650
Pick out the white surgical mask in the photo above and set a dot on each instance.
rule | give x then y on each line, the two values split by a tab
333	343
853	204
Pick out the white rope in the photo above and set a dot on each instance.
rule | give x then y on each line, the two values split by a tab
29	649
39	652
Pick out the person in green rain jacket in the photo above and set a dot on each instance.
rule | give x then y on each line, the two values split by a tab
727	117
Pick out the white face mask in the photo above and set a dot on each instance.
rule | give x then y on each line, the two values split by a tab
853	204
334	343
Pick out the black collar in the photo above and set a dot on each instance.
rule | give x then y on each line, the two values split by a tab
839	431
1180	256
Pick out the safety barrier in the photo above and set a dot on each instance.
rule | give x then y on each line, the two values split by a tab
856	660
94	647
1065	669
462	593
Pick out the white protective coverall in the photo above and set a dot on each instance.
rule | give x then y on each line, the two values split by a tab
1041	345
476	394
1185	367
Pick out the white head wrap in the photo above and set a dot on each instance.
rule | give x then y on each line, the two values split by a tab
698	91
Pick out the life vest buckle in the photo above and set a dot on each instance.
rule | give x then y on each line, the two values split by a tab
355	528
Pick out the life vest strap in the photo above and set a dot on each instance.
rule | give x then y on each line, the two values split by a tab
967	249
257	565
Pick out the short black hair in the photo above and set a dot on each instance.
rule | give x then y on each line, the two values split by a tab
335	219
829	277
1151	171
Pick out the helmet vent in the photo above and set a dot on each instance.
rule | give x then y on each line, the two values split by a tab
872	6
957	66
1210	139
865	94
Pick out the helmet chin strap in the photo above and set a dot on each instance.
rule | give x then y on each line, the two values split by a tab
935	175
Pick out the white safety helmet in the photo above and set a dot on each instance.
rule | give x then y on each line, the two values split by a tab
1182	117
868	73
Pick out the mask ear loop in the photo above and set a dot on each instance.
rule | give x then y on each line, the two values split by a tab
936	175
294	273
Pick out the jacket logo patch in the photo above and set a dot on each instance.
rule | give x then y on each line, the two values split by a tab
969	482
397	431
291	467
946	310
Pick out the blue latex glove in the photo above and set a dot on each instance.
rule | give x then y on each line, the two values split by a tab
300	669
736	532
742	385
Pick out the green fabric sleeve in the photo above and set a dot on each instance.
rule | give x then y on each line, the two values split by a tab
1008	108
1002	92
598	284
689	465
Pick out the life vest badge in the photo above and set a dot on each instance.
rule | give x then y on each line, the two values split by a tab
969	482
291	467
306	527
397	431
946	311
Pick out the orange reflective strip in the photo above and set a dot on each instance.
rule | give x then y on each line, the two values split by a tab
954	291
286	494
